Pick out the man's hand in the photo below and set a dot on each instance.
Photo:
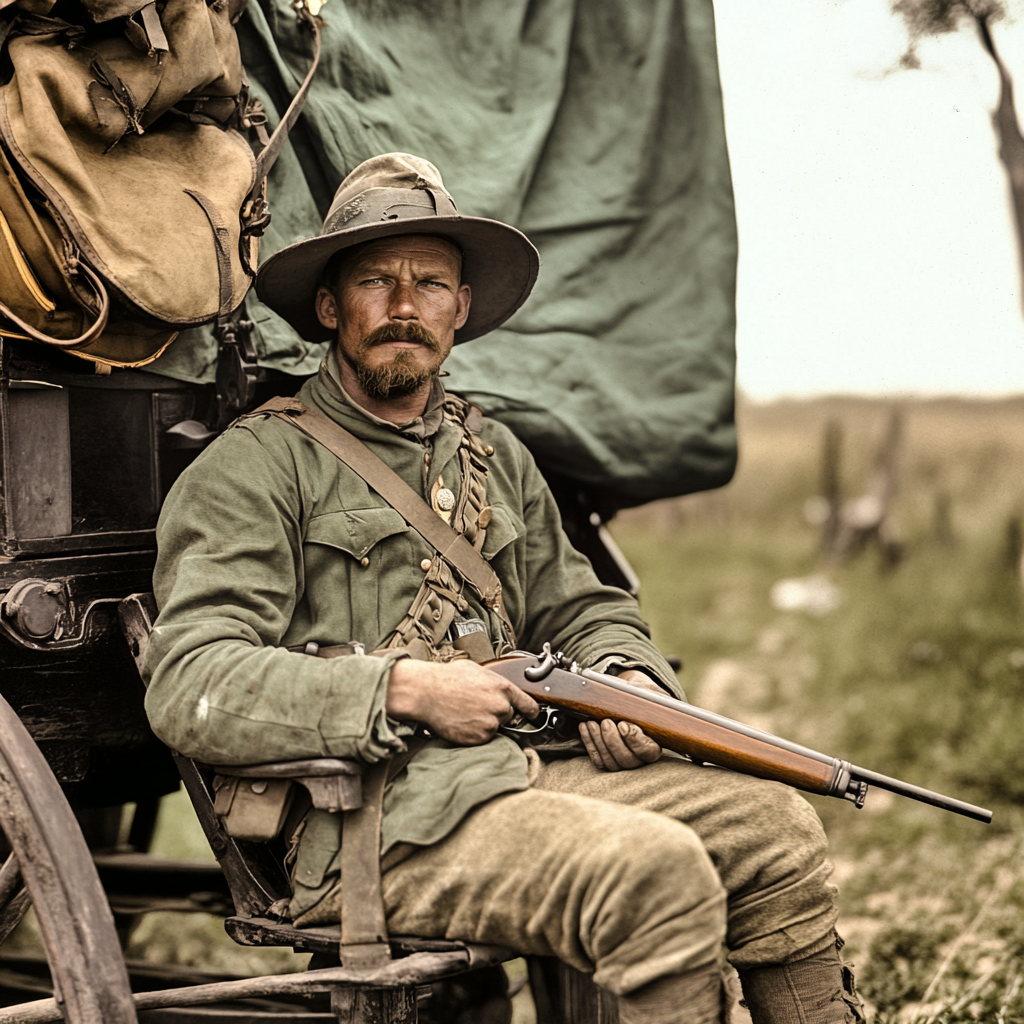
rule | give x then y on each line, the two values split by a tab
613	746
459	701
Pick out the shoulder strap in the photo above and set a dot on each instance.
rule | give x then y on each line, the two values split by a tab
450	544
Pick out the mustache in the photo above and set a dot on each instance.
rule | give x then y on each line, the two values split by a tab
401	332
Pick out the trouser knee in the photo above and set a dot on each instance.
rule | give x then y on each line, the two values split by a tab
657	906
773	862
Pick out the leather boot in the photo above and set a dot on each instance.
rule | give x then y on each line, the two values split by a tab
817	990
696	997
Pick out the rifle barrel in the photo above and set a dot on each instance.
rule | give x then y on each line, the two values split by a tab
926	796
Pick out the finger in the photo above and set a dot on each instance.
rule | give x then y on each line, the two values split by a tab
522	702
595	757
616	745
608	761
645	748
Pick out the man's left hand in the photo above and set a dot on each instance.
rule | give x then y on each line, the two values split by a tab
613	746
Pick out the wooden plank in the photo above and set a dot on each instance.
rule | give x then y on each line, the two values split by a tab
37	463
417	969
375	1005
85	542
117	572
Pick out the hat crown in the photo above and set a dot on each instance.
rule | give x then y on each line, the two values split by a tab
387	171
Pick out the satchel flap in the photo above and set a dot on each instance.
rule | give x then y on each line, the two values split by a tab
256	809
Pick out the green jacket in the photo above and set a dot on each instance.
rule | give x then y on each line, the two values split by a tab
268	541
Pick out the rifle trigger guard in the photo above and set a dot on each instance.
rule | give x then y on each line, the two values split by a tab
548	718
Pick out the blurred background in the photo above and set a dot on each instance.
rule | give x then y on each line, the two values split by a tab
858	586
877	243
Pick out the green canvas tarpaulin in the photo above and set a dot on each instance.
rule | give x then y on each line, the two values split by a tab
596	127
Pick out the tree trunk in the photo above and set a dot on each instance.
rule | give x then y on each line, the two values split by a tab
1011	142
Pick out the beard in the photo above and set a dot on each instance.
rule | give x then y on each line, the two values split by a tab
405	373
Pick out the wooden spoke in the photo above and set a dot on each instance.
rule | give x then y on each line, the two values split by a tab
14	911
60	881
14	897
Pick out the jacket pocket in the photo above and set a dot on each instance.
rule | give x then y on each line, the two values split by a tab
355	530
505	528
318	849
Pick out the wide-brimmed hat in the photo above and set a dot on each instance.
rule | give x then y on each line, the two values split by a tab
401	194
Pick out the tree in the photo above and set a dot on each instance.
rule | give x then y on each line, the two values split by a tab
937	17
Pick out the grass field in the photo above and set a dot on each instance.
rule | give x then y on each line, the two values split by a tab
918	673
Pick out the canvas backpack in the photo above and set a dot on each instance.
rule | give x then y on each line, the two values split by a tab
131	204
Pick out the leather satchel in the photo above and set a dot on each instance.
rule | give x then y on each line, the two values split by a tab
131	204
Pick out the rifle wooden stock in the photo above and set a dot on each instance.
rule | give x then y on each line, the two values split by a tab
705	737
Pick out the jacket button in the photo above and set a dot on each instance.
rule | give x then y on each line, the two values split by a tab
489	450
364	561
425	564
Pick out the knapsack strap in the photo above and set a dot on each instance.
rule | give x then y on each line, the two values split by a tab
269	154
449	543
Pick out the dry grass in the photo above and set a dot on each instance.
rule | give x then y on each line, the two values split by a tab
917	674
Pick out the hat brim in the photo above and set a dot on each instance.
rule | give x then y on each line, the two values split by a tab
500	265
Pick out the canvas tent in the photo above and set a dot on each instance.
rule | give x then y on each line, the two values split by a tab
596	127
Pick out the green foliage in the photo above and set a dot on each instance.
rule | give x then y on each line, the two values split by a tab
902	963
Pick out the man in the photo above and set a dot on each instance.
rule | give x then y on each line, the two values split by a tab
618	860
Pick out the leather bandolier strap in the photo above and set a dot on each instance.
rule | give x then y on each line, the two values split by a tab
425	630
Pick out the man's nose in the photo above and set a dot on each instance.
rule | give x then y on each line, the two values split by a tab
403	302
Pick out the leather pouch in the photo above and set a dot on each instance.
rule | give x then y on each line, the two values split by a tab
253	809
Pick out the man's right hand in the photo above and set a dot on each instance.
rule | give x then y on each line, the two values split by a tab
458	700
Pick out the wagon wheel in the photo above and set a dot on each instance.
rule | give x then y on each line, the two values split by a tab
49	854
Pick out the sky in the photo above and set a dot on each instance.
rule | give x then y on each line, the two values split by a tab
876	245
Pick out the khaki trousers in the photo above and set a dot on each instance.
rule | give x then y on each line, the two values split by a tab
634	875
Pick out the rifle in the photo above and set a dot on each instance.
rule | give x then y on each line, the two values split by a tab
567	692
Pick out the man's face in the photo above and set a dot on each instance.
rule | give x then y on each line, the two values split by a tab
396	305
